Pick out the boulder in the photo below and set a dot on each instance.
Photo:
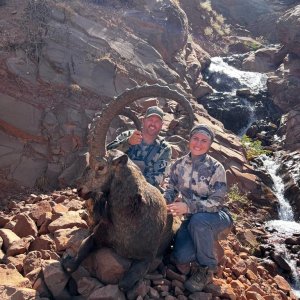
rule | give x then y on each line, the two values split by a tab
8	237
55	278
9	276
264	60
68	220
107	266
290	173
25	226
292	139
288	29
43	242
109	292
70	238
16	293
20	246
282	283
87	285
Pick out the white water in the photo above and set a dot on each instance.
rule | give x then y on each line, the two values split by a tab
285	226
232	79
252	118
285	209
253	80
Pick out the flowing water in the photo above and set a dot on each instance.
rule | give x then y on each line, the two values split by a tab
240	98
226	80
284	227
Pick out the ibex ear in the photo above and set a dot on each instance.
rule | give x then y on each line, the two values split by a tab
123	159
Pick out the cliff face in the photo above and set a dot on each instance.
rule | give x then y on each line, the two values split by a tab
60	62
257	16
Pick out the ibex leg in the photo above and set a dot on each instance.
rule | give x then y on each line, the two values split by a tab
136	272
70	264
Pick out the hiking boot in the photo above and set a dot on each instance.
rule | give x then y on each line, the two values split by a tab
199	279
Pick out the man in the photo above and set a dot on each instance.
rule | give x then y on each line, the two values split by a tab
146	148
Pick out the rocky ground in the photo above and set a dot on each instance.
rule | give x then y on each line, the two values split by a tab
36	230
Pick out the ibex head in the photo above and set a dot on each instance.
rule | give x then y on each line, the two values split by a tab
98	177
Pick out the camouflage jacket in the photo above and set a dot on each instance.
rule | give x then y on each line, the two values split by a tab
201	183
155	157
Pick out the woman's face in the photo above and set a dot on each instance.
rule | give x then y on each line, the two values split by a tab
199	144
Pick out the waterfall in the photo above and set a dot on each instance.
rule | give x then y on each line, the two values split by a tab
285	209
228	79
252	117
240	97
285	226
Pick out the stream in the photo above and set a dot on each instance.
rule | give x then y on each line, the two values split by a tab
285	227
239	101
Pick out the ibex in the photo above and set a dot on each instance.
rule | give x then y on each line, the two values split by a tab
130	215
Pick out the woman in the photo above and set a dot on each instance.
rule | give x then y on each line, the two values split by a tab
196	190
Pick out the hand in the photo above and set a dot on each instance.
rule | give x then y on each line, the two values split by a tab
135	138
178	198
177	208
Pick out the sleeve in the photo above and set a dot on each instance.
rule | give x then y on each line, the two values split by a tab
120	142
171	191
216	196
154	174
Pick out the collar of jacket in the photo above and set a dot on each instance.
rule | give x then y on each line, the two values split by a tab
157	140
196	159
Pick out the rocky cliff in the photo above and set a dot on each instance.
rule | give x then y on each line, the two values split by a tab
61	62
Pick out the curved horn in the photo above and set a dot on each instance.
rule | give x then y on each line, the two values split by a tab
101	123
130	114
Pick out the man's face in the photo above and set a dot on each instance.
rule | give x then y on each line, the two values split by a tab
152	125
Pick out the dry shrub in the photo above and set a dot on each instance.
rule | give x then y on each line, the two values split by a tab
35	20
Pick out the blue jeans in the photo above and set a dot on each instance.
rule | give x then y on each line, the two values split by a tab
196	235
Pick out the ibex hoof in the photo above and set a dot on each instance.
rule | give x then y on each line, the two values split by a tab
69	264
125	285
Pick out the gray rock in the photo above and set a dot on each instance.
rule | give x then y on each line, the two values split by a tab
28	170
109	292
289	27
55	278
21	115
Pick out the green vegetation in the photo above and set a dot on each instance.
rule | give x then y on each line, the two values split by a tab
253	45
235	195
234	217
253	148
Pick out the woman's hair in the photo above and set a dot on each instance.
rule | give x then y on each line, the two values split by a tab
204	129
